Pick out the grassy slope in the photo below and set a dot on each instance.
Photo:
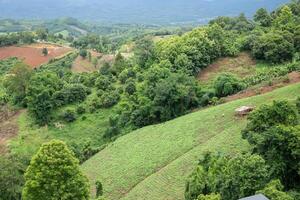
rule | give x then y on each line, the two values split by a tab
30	137
153	162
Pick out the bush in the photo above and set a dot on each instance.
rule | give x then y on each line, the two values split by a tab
227	84
69	115
209	197
109	99
70	94
83	53
80	110
99	189
298	104
113	129
274	191
103	83
130	87
83	150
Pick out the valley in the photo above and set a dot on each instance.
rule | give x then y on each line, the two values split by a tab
174	110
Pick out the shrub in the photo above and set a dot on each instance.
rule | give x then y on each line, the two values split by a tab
70	94
80	110
274	191
209	197
227	84
99	189
109	99
113	129
103	83
69	115
83	53
298	104
130	87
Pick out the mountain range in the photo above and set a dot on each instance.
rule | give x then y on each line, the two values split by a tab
132	11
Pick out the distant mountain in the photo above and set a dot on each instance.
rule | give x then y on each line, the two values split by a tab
132	11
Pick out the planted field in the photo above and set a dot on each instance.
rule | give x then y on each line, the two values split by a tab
32	54
154	162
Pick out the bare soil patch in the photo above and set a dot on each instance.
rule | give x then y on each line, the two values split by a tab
82	65
32	54
241	65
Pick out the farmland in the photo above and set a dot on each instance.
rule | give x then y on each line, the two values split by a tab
32	54
154	162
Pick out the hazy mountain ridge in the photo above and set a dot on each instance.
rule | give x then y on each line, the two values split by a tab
132	11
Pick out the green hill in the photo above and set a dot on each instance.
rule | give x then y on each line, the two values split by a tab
154	162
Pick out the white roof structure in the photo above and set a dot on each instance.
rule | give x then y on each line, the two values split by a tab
255	197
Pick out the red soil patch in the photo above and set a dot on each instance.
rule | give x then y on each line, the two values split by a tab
240	65
294	77
8	127
32	54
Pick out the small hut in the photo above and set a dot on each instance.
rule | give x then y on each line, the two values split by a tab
244	110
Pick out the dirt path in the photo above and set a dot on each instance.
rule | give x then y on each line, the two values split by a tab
8	127
294	77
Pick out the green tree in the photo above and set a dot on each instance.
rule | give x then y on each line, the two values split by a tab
83	53
89	56
274	191
274	47
39	95
11	178
243	176
263	18
42	33
232	178
274	135
144	52
284	19
54	173
45	51
16	83
196	184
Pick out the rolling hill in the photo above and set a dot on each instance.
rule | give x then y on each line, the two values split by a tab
132	11
154	162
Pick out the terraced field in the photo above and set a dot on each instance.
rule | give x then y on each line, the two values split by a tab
154	162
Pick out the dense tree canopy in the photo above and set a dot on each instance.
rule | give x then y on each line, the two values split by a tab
54	173
273	132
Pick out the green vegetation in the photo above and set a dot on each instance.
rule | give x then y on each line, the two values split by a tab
273	130
54	173
153	82
151	159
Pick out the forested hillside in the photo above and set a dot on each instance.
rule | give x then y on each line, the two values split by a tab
127	118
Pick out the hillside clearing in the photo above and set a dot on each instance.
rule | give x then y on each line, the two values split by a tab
241	65
32	54
154	162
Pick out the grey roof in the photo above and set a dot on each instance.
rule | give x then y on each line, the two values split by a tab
256	197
